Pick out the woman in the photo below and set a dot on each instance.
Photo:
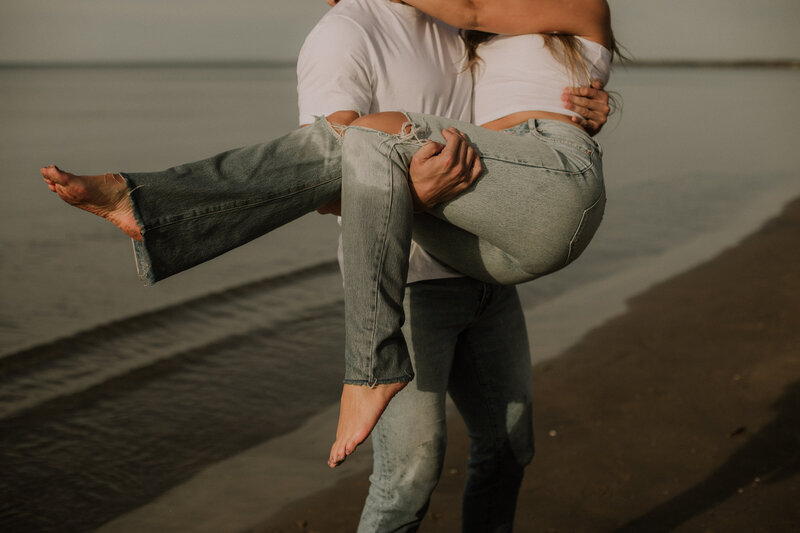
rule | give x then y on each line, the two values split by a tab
533	211
313	184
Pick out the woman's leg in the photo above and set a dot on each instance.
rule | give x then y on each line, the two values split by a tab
517	222
375	217
532	211
191	213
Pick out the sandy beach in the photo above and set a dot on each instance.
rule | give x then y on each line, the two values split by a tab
682	414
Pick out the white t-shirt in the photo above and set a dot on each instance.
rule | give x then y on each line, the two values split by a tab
376	55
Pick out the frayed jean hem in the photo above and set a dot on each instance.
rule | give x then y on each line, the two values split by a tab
386	381
140	254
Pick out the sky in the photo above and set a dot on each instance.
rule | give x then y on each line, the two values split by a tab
216	30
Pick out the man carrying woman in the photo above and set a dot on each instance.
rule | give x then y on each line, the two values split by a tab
464	335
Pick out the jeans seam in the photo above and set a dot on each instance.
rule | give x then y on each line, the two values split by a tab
578	228
484	301
579	172
475	367
379	269
235	208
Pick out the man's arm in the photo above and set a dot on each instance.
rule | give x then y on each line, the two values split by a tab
335	79
438	172
441	172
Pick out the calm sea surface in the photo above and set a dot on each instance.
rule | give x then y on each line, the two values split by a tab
111	393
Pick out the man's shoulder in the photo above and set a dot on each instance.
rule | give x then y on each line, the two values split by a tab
351	14
346	27
338	32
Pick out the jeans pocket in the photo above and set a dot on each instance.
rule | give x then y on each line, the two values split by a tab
575	147
590	221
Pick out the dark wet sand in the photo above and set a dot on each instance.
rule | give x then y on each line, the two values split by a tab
681	415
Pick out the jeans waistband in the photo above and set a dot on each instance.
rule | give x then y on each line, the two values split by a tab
570	133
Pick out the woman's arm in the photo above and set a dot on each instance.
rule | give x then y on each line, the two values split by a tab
586	18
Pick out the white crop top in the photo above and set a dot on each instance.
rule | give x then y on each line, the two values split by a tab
518	73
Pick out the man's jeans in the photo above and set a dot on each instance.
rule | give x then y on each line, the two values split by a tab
466	337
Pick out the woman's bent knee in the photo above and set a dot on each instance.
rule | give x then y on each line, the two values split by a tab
387	121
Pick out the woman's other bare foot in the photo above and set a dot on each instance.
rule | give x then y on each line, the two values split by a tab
359	411
105	196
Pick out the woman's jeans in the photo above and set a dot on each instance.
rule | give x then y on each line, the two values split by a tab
534	209
194	212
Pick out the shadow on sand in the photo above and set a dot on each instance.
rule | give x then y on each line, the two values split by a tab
771	455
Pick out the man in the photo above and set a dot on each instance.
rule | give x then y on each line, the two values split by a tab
464	336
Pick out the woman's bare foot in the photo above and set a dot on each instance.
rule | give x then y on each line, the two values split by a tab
105	196
359	411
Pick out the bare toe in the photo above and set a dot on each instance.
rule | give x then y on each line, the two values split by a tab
54	174
337	457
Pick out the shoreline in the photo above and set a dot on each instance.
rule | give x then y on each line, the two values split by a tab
556	326
233	63
239	492
693	426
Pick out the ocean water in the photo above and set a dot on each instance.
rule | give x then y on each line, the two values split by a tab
111	393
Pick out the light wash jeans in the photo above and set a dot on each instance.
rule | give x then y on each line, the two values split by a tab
466	337
194	212
534	209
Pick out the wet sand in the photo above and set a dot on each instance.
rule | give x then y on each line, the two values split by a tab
682	414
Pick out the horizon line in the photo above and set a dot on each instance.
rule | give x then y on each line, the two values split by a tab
287	63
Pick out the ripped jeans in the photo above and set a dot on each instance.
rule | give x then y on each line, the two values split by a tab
533	210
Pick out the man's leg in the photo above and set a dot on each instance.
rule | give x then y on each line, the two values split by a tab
491	386
409	440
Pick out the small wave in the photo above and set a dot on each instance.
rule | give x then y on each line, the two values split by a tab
101	354
79	460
